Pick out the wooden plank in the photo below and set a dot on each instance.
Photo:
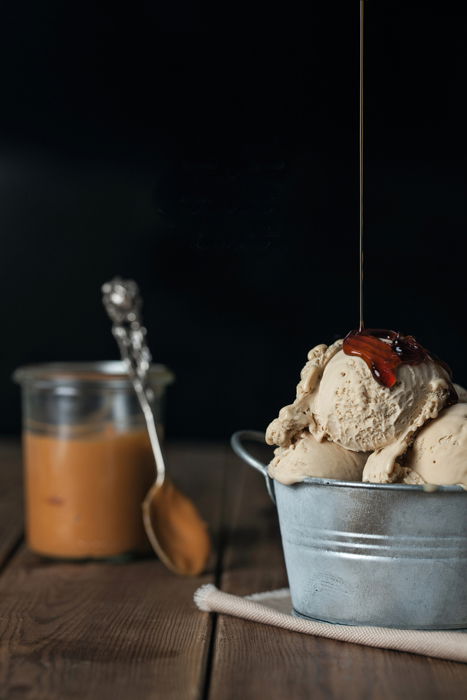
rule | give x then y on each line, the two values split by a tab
11	498
252	660
106	630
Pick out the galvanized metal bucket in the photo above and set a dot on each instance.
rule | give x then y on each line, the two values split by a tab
389	555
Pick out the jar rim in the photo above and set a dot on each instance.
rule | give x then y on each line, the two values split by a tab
111	373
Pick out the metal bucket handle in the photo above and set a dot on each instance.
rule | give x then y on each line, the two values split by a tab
236	442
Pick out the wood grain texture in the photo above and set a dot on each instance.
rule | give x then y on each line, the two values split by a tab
11	499
110	630
130	629
253	660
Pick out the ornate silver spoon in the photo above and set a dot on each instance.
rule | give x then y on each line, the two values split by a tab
173	525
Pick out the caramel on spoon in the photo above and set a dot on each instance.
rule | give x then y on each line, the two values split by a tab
173	525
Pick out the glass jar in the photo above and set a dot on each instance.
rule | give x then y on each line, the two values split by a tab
88	462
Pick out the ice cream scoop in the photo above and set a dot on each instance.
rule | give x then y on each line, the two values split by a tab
439	452
307	457
358	413
173	525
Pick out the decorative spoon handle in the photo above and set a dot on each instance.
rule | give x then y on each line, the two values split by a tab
122	301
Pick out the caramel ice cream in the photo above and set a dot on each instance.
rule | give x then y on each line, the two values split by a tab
352	413
308	457
439	452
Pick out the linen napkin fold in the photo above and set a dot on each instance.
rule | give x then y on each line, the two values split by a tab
273	608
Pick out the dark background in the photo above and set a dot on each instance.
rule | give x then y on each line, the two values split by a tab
214	160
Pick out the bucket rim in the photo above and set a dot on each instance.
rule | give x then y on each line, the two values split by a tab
422	488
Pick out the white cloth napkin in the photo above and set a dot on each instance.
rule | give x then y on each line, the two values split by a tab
273	608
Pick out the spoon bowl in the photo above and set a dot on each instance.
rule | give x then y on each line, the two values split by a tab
175	529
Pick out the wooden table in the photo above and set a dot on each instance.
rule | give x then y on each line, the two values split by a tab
106	630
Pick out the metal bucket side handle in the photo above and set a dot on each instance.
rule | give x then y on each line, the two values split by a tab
236	442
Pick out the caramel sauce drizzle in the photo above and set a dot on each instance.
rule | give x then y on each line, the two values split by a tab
383	357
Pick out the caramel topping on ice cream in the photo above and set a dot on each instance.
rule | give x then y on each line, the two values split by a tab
384	351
